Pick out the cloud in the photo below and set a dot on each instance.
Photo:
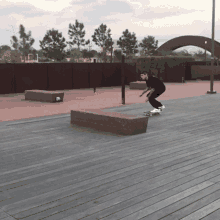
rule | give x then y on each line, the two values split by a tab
162	19
45	5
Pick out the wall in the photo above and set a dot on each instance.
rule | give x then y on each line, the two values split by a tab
204	72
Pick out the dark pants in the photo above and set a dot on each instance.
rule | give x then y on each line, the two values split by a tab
154	95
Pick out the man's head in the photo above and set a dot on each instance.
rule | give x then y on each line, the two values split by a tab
144	75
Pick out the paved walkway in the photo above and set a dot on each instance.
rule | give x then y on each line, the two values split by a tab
15	107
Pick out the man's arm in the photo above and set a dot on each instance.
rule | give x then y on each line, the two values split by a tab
152	90
145	91
150	93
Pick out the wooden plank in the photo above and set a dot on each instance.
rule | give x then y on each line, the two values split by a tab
39	119
5	216
120	206
213	216
32	170
16	146
186	206
160	170
143	195
197	201
20	138
140	210
208	209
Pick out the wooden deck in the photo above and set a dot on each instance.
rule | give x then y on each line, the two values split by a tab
52	170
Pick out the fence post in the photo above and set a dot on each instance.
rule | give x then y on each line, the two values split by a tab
123	80
183	80
14	82
93	77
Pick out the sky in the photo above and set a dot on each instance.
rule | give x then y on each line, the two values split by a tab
159	18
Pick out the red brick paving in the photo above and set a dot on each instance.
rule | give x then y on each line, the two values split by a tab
15	107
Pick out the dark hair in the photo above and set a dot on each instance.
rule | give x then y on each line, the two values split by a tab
148	73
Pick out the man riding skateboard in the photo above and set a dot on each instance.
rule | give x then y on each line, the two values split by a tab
157	87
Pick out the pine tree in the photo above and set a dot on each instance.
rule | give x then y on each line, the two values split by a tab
149	45
25	45
103	39
76	32
128	43
53	45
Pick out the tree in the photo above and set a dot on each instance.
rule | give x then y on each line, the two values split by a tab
4	53
40	53
165	53
149	45
15	56
94	53
77	32
199	55
103	39
24	46
99	56
75	54
183	53
87	54
5	56
53	45
4	48
118	55
90	46
11	56
128	43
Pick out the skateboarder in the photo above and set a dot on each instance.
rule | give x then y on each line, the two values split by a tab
157	87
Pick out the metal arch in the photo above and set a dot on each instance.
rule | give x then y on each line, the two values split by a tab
188	40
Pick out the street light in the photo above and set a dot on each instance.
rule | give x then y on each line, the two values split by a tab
205	51
212	58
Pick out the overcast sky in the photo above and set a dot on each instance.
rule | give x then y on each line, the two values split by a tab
163	19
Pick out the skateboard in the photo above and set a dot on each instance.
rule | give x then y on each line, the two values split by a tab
151	114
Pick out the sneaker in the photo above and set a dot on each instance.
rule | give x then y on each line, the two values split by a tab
162	107
156	110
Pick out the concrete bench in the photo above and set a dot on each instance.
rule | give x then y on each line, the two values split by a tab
138	85
110	121
44	96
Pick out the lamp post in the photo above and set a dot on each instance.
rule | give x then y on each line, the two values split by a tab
111	53
205	52
212	58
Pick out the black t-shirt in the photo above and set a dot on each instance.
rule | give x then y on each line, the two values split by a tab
155	83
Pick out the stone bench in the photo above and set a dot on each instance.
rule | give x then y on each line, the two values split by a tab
138	85
110	121
44	96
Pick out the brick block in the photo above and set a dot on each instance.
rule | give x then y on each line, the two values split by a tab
43	96
113	122
138	85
